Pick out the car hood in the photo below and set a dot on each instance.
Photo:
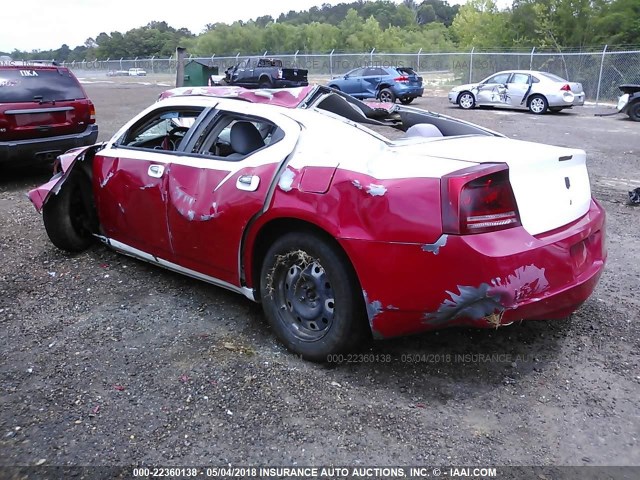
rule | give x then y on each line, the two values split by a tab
466	86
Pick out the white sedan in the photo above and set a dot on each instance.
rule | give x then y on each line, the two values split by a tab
520	89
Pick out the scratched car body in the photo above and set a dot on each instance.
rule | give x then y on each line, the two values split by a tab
538	92
344	220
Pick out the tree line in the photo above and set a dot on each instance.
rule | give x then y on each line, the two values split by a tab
387	26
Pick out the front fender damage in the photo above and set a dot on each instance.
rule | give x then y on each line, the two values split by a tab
62	169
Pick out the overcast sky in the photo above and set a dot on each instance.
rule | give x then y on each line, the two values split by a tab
47	24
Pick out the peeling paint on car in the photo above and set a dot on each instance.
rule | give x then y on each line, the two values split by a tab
104	182
525	282
471	302
435	247
211	216
286	180
357	184
284	97
374	309
490	300
376	190
184	204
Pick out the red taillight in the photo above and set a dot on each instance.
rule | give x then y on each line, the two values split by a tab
402	79
92	113
566	87
478	200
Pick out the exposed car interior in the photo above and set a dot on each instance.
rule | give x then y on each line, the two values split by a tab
396	123
232	137
163	131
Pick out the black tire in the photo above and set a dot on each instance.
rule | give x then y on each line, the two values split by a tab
386	95
538	105
466	100
407	100
69	217
634	112
265	83
555	109
311	296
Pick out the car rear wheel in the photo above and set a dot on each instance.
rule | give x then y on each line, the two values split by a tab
406	100
386	95
634	112
69	217
538	105
466	100
310	296
265	83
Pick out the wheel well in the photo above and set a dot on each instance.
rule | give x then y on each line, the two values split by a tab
535	95
265	79
383	86
274	229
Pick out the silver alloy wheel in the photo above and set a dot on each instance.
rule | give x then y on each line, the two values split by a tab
466	101
386	96
538	105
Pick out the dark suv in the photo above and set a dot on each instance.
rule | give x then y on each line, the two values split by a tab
44	111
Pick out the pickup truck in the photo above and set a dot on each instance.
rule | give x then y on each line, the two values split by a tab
264	73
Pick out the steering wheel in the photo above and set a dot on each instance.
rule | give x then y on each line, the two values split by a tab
174	137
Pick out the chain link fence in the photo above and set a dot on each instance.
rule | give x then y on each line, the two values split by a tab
599	72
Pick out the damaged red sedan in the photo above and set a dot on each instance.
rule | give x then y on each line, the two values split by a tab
344	219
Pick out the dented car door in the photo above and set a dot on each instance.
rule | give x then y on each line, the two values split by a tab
131	181
493	91
215	189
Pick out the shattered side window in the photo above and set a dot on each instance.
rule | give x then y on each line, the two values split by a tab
161	130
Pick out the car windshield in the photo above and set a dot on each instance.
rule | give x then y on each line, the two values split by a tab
551	76
32	84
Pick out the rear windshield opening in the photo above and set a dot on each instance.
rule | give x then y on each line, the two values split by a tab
38	85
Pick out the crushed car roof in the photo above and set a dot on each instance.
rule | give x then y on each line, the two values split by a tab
284	97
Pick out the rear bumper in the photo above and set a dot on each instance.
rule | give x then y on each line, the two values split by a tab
408	91
566	100
483	280
281	83
49	148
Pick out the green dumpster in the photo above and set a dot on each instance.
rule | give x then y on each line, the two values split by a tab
197	73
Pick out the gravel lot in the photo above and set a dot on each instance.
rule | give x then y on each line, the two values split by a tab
109	361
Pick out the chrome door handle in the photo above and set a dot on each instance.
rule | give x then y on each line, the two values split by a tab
155	171
248	183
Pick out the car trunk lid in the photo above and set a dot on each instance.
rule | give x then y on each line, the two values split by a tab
551	184
576	87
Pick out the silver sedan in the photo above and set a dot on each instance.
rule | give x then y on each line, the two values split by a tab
521	89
